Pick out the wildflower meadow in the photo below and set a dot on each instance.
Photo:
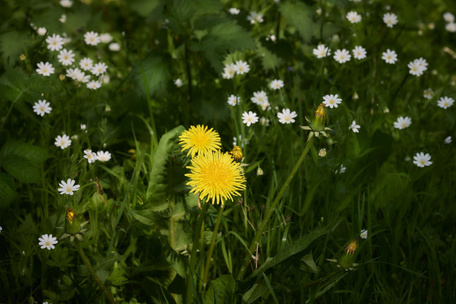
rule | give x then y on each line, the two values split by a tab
227	151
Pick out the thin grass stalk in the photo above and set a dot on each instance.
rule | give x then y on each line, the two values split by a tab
271	210
211	247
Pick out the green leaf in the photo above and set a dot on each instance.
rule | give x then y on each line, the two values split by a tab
117	277
143	7
269	60
309	264
298	15
34	154
258	289
292	249
221	290
12	45
7	191
21	168
223	38
152	73
156	191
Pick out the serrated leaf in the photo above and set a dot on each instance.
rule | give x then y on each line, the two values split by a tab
7	191
299	15
20	168
34	154
117	277
292	249
156	191
269	60
221	290
224	37
143	7
152	73
12	45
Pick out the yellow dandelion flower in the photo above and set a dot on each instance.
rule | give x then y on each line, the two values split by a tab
216	176
199	140
236	153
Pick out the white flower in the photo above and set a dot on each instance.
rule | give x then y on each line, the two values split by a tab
103	156
81	77
322	152
286	117
321	51
83	127
241	140
389	56
276	84
90	156
448	17
66	57
265	105
86	64
390	19
255	17
55	42
106	79
47	241
342	56
241	67
447	140
68	187
417	67
42	107
422	160
353	17
451	27
41	31
105	38
94	84
445	102
62	18
402	122
73	73
115	47
229	71
428	93
45	69
66	3
363	234
259	98
354	127
233	100
264	121
63	141
234	11
99	68
178	82
249	118
92	38
359	52
1	229
341	170
331	101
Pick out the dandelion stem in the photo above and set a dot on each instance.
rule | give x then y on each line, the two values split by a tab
211	247
92	272
271	209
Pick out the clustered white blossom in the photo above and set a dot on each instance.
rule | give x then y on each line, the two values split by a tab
451	25
240	67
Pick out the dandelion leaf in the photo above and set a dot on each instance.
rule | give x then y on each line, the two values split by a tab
221	290
298	15
158	181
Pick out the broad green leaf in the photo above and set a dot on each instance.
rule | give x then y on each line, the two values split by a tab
12	45
298	15
152	73
259	289
269	60
20	168
7	191
224	37
221	290
143	7
296	247
309	264
157	189
34	154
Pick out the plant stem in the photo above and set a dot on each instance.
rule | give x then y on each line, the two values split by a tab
92	272
271	210
211	247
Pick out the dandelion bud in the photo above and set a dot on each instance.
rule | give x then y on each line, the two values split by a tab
71	222
320	116
236	154
348	257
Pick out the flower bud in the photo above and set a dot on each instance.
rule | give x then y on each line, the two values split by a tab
320	117
72	225
236	154
348	257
